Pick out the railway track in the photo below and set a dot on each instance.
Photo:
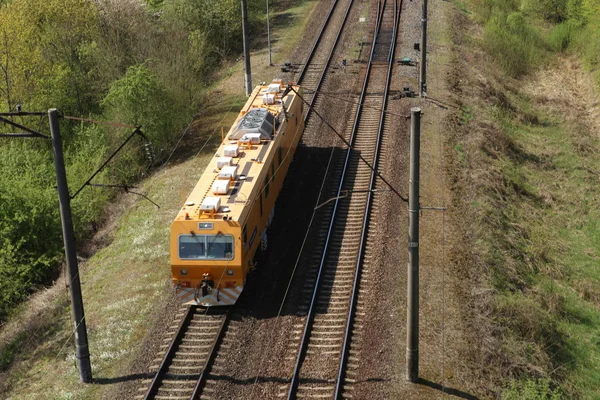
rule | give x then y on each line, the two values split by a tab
188	354
314	71
191	350
325	339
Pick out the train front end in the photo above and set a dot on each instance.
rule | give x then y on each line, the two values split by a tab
206	261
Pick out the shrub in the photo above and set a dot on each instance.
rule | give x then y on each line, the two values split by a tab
138	98
513	43
531	390
561	36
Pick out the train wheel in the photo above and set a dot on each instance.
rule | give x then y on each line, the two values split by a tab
271	216
263	242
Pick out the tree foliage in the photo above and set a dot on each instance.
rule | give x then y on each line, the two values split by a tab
126	60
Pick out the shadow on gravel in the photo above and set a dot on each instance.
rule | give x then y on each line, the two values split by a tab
447	390
260	379
267	286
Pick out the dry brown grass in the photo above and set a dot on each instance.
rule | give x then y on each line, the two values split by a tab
568	90
529	147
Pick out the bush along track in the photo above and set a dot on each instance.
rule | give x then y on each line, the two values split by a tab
527	151
139	62
124	279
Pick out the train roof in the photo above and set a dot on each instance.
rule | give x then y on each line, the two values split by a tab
231	181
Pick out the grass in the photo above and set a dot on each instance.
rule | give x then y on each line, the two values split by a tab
533	156
544	247
288	26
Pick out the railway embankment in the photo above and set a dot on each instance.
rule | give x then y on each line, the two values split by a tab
524	158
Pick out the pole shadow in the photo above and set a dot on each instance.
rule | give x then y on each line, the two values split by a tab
119	379
447	390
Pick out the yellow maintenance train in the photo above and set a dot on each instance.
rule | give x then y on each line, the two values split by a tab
217	232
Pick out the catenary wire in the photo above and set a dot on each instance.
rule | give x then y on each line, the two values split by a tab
115	124
392	188
277	318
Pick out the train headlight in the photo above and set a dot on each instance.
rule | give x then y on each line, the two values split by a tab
230	272
183	272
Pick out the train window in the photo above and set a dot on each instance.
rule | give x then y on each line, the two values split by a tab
219	247
273	169
260	197
280	157
245	236
192	247
202	247
267	185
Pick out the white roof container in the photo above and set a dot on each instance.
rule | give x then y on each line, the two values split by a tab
232	150
273	88
220	187
268	98
223	161
211	204
252	138
229	172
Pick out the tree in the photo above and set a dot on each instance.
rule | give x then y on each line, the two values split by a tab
39	42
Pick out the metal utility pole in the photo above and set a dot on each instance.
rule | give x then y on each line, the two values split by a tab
412	311
248	79
423	65
81	340
268	35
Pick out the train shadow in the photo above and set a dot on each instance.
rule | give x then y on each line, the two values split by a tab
295	243
292	237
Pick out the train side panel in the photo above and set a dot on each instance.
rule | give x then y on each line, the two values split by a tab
212	253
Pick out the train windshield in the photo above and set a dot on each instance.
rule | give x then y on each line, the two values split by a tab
206	247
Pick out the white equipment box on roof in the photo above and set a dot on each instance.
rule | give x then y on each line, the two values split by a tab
232	150
223	162
211	204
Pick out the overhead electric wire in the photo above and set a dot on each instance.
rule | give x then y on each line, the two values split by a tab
114	153
127	189
30	132
23	113
115	124
392	188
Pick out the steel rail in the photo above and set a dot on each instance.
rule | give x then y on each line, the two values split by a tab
313	50
155	385
311	311
172	351
170	354
210	359
366	220
327	63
